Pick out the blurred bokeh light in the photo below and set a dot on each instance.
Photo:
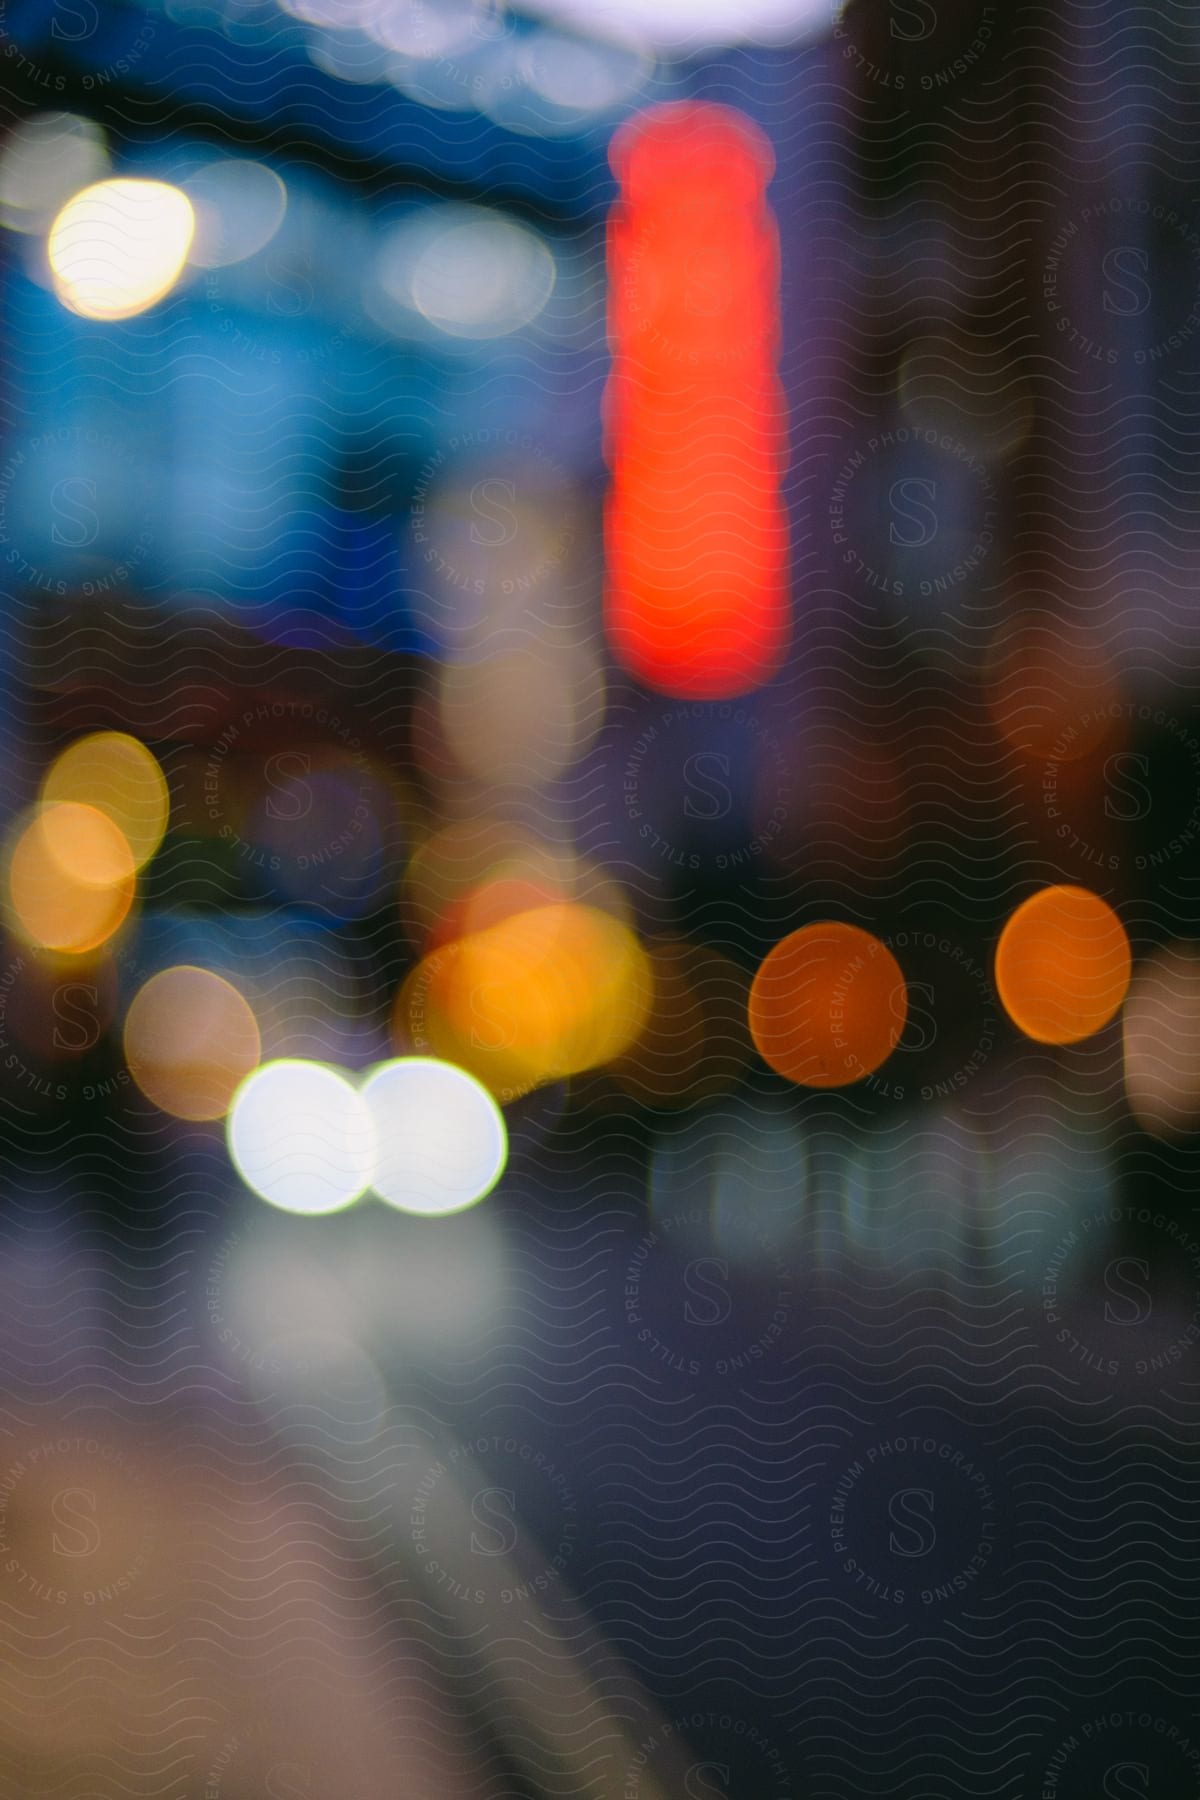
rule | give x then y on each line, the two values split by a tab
71	877
239	206
444	670
466	270
120	777
828	1005
697	536
521	717
190	1041
119	246
547	992
1063	965
45	160
301	1137
1161	1027
442	1139
690	25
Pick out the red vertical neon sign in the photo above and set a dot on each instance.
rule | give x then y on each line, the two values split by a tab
696	536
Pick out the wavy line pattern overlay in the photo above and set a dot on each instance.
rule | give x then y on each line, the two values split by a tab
648	555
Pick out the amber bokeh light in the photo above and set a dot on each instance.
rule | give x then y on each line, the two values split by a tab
828	1005
71	879
542	994
118	776
1063	965
190	1040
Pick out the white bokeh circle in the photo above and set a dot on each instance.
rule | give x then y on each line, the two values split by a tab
442	1141
301	1137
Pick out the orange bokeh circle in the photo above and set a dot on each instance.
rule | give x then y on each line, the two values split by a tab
1063	965
828	1005
71	878
190	1041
